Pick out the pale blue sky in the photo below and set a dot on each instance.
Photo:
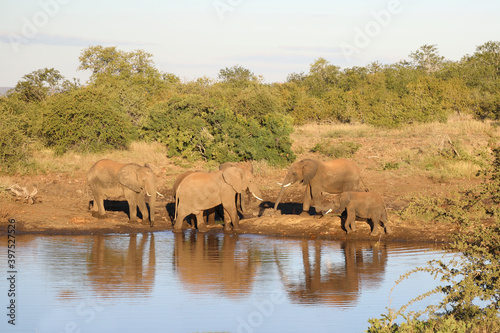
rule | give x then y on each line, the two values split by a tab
197	38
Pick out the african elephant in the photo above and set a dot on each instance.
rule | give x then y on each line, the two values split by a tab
335	176
201	191
365	205
110	179
178	180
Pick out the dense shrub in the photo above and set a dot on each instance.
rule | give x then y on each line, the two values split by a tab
192	126
14	143
85	120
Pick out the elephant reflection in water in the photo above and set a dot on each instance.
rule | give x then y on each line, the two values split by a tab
214	263
336	284
114	271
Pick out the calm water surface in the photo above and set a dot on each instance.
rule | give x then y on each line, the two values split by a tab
196	283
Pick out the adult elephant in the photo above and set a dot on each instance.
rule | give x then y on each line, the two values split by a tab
334	177
178	181
110	179
201	191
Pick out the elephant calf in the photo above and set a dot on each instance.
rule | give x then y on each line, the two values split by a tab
365	205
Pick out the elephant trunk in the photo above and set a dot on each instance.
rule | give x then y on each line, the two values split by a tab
151	193
152	205
282	191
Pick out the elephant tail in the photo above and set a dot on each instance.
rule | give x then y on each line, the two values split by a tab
385	220
366	189
176	197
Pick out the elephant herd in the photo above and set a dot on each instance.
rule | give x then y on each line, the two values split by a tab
200	192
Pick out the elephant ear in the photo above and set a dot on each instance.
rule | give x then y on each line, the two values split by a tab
345	199
127	176
234	177
309	170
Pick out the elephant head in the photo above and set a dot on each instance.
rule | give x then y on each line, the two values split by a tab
337	205
142	181
302	171
240	180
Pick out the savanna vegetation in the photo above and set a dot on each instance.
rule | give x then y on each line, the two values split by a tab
128	102
237	116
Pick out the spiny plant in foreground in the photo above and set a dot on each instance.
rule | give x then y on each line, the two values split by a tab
471	280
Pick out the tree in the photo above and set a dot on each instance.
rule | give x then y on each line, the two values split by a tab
322	76
37	85
481	72
237	75
109	61
427	58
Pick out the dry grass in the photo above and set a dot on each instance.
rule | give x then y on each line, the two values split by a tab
139	152
456	149
417	149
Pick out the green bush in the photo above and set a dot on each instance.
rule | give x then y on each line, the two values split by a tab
85	120
192	126
14	143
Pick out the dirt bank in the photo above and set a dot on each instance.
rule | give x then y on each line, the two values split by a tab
62	207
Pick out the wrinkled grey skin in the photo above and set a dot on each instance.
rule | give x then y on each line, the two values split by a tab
201	191
113	180
333	177
365	205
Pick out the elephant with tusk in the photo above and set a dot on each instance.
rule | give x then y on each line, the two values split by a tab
364	205
200	191
110	179
335	176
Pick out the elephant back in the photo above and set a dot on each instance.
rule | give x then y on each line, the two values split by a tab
341	175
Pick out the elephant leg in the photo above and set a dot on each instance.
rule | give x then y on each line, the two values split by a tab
231	216
315	196
307	201
178	222
375	222
132	211
227	221
144	209
200	222
211	216
98	209
350	222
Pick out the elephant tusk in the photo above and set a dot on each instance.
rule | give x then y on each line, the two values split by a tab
161	195
257	197
148	194
328	211
281	184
